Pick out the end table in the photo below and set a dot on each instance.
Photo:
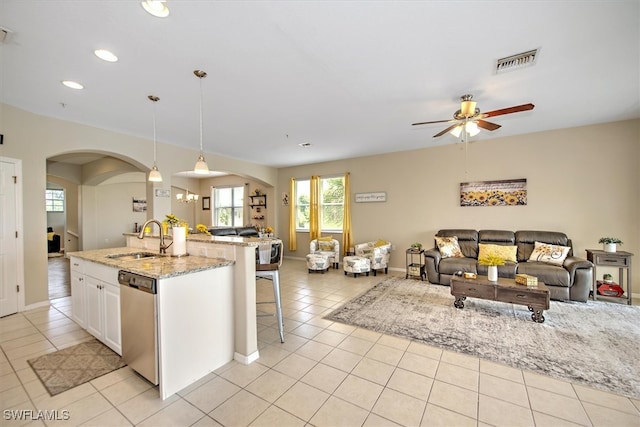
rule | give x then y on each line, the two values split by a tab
415	264
620	259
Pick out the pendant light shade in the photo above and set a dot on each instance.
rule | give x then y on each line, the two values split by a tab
201	166
154	174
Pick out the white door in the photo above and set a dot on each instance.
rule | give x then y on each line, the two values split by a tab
8	239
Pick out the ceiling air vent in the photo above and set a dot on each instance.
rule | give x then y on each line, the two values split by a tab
515	62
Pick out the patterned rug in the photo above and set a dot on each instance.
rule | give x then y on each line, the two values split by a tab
593	343
73	366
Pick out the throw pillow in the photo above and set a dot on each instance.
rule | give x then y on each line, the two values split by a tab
550	254
508	253
449	247
326	246
50	236
325	239
380	243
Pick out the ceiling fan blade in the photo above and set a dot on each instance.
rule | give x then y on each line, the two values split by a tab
516	109
428	123
446	130
488	125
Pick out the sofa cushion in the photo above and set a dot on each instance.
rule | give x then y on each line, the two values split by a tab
525	240
550	254
451	266
508	253
467	239
549	274
449	247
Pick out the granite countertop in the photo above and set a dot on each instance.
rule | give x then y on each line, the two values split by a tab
161	267
225	240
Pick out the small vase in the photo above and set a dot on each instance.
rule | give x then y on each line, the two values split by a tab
492	273
610	247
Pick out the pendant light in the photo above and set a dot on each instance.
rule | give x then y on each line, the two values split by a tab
201	167
154	174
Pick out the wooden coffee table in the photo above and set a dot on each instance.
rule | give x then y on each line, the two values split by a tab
503	290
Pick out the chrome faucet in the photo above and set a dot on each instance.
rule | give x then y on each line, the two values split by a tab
163	247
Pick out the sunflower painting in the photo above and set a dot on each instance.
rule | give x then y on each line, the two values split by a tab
509	192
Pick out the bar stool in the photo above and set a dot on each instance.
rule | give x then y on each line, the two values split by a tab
268	262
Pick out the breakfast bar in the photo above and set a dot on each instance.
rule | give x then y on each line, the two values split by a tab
205	310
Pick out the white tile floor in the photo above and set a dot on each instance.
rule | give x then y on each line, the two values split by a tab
325	374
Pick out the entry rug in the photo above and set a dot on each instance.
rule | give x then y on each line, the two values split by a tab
73	366
593	343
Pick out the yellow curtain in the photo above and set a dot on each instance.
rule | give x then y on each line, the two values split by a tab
314	211
293	241
347	236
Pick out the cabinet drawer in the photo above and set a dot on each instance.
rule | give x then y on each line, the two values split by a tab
77	265
614	260
472	290
524	297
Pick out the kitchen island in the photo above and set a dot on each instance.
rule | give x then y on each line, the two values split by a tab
205	304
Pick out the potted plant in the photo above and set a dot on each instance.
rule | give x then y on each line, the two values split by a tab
416	245
492	261
607	278
610	243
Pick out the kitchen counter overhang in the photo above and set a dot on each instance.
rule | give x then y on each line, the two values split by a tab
158	267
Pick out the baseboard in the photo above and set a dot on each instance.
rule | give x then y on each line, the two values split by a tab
36	305
246	360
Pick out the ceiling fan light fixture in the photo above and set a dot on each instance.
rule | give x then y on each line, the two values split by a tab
472	128
456	131
468	108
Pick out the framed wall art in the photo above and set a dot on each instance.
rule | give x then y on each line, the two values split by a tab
376	196
508	192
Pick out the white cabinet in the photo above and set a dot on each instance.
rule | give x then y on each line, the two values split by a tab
78	307
102	303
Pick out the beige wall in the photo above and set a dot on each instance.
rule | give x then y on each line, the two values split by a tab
33	138
582	181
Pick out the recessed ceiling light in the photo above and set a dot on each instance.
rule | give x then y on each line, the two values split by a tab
72	84
156	8
105	55
305	144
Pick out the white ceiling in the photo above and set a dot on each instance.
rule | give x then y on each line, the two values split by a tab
347	76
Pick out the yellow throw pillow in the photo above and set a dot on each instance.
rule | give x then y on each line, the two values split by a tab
380	243
508	253
326	246
449	247
50	236
325	239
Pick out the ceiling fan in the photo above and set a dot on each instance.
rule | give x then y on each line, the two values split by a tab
469	118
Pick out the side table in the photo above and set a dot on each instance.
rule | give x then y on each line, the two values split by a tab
620	259
415	263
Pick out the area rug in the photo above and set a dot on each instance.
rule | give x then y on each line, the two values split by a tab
593	343
73	366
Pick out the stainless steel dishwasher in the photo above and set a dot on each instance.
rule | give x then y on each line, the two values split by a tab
139	323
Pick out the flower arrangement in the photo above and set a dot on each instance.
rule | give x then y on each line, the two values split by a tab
491	259
268	229
172	220
609	240
203	229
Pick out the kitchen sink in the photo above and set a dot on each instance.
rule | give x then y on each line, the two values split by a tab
134	256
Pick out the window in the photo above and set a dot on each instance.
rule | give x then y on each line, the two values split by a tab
54	200
228	206
331	203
